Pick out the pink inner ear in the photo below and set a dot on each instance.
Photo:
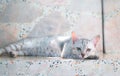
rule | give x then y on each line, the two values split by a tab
96	39
74	37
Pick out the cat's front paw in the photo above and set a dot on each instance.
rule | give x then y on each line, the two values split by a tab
92	57
13	54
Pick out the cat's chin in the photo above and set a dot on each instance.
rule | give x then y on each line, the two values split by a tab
92	57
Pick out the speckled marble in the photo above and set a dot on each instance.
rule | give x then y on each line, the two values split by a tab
37	66
112	25
37	18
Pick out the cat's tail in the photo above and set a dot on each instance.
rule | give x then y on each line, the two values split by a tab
10	49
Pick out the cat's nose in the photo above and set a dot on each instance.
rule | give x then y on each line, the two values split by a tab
82	54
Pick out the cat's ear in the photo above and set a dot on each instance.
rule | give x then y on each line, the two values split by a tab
74	37
95	40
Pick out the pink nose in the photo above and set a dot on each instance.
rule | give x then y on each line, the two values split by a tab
82	54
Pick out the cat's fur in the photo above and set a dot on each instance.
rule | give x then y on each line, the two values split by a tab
53	46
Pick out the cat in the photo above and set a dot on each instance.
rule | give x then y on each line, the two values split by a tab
71	47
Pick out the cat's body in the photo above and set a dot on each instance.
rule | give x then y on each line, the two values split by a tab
53	46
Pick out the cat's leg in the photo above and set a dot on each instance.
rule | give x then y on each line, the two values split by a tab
16	48
66	52
7	50
74	56
11	50
15	53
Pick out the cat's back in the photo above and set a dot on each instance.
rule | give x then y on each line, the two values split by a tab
44	46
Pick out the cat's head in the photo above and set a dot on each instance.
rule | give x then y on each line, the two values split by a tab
84	47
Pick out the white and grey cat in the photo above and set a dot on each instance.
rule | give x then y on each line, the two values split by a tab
53	46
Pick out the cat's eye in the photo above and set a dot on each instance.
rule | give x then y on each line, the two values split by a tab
78	48
88	50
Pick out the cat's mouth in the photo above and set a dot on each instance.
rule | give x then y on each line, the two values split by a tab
92	57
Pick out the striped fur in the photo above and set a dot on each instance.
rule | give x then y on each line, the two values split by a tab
49	47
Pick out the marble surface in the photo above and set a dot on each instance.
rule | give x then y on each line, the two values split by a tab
37	66
30	18
112	25
37	18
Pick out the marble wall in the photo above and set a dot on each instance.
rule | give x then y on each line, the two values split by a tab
37	18
112	26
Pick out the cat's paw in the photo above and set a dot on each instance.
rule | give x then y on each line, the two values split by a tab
13	54
92	57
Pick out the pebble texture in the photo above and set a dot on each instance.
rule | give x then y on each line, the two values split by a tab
35	66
